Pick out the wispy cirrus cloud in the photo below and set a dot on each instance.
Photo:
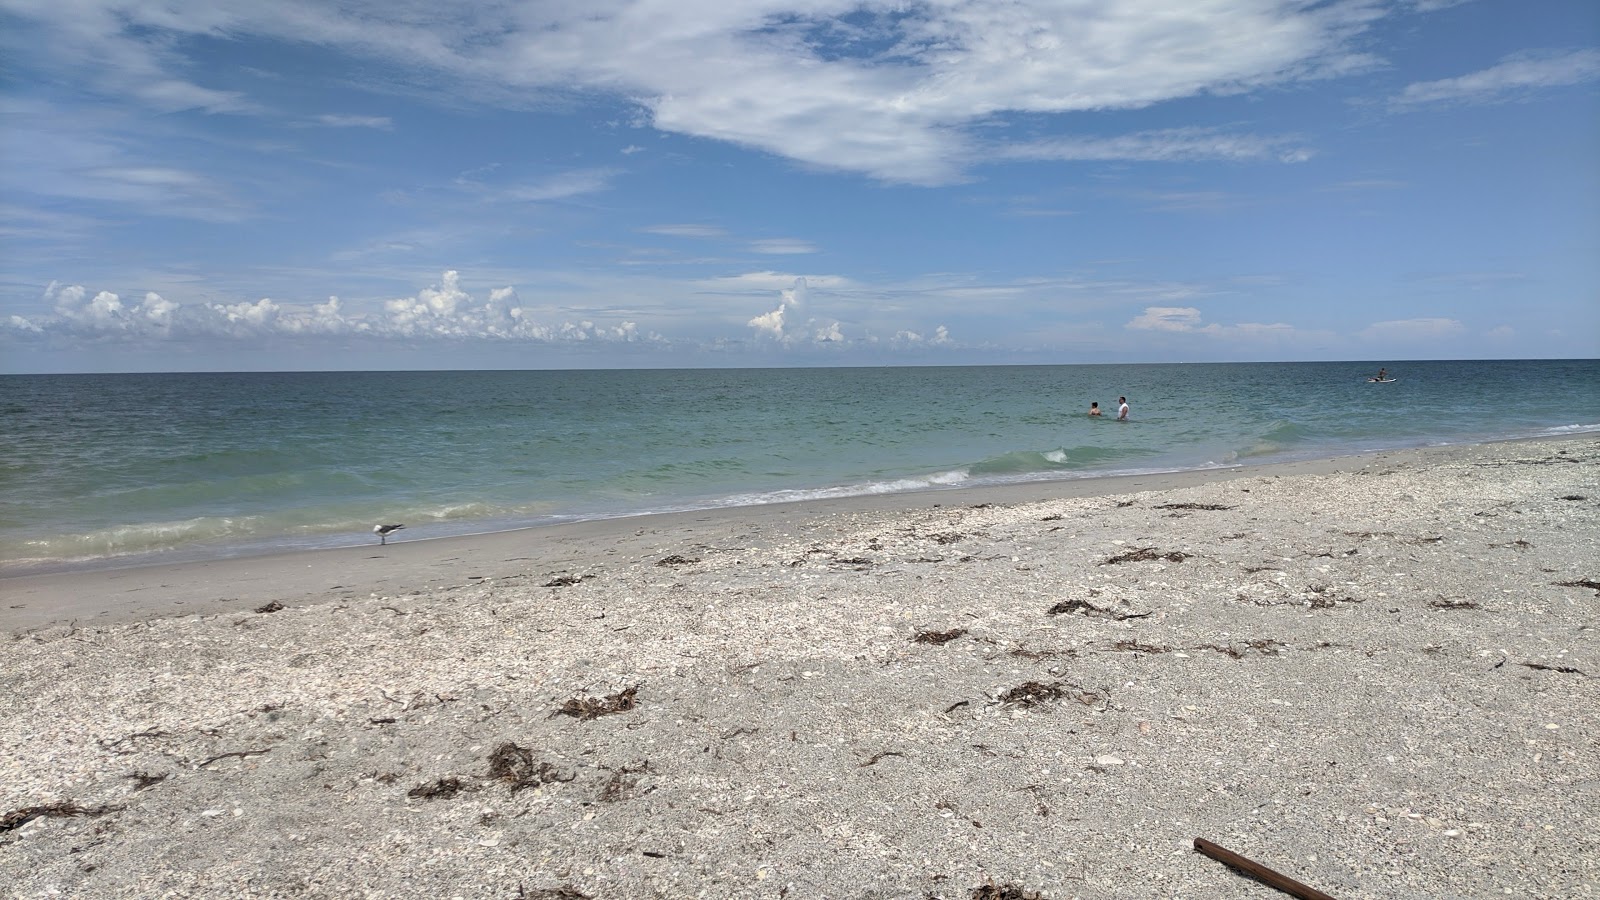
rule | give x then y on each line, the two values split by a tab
336	120
1170	145
1513	77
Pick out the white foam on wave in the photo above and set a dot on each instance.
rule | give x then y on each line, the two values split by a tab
1056	456
897	486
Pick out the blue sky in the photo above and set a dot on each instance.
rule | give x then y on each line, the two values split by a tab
230	184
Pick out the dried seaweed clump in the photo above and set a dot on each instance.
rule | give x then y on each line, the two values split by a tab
1031	693
676	560
587	708
1207	506
992	891
938	638
515	766
442	789
272	607
20	817
565	892
1145	554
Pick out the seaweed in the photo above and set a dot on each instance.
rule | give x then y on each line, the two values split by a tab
1093	611
1565	670
1205	506
1589	583
145	780
876	758
676	560
566	580
1454	603
1145	554
992	891
938	638
1032	693
588	708
20	817
515	766
441	789
272	607
948	537
624	782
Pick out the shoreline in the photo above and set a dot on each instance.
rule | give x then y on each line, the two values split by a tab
127	593
1378	676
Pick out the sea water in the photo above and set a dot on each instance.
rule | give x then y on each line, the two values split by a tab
100	470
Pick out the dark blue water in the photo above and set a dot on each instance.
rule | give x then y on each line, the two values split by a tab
126	468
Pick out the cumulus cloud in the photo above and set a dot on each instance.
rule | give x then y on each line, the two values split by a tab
1513	77
779	324
889	88
446	311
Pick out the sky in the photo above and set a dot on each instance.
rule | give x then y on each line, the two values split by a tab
221	185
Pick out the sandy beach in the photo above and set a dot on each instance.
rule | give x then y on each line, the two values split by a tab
1379	675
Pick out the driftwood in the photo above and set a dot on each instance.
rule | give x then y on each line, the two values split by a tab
1258	871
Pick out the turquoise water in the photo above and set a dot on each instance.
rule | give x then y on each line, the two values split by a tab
124	469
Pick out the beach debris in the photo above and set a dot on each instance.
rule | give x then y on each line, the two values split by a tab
1145	554
1093	611
1565	670
383	532
676	560
234	754
20	817
876	758
937	638
441	789
564	892
145	780
1518	544
515	766
1030	694
1258	871
1589	583
1454	603
567	580
992	891
1574	497
272	607
588	708
1206	506
947	537
624	782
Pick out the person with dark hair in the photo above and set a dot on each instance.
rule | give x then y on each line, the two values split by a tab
1122	409
1094	408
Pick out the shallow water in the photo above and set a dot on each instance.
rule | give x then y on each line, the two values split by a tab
102	469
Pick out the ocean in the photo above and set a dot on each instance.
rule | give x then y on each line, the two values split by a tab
110	470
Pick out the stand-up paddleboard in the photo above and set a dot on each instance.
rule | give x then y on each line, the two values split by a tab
1382	380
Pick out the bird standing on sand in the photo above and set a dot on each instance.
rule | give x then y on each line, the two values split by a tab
383	532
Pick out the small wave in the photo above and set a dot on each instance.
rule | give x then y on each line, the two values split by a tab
895	486
1036	462
1279	437
1571	429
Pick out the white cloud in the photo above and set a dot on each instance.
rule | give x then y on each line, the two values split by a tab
1420	330
783	246
1187	319
559	186
445	311
1513	76
888	88
1172	145
1167	318
334	120
689	231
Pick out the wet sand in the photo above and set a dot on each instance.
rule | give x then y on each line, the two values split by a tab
1376	674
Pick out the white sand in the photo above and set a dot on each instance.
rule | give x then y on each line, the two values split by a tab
1364	673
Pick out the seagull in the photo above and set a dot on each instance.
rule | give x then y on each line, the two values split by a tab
383	532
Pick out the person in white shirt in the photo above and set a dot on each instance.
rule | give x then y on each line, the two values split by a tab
1122	409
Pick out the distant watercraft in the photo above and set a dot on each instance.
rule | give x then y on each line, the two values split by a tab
1382	380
